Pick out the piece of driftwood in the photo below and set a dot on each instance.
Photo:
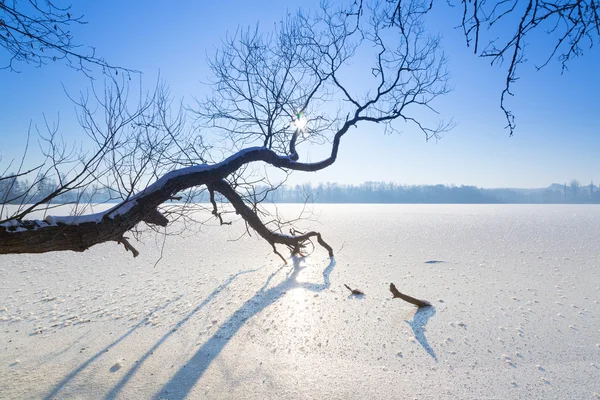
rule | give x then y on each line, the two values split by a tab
354	291
396	293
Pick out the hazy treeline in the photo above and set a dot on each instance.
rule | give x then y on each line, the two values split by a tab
15	191
382	192
22	191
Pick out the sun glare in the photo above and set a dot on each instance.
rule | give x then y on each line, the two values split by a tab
300	122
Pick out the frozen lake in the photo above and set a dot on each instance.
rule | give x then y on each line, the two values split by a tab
515	289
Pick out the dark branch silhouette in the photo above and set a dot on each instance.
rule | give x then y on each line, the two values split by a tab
573	25
38	32
273	95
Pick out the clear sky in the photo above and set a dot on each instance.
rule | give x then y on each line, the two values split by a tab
558	116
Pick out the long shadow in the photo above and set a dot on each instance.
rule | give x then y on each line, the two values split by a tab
59	386
418	324
123	381
180	385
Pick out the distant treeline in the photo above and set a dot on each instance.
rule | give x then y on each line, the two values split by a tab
22	191
390	193
16	191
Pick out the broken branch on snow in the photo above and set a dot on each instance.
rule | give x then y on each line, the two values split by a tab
354	291
397	294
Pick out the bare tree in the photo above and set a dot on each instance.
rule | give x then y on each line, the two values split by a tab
38	32
273	95
500	30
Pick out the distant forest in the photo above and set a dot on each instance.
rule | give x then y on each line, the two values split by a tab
392	193
15	191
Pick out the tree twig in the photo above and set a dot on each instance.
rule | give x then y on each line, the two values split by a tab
354	291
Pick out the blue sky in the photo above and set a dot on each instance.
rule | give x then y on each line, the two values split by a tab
558	126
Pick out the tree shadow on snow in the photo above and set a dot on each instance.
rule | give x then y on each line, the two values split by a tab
60	385
418	324
356	296
117	388
180	385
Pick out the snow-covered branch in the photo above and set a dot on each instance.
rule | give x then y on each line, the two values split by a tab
274	95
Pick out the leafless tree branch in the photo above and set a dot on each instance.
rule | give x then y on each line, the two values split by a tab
274	95
574	25
38	32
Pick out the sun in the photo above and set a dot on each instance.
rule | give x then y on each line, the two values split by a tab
300	122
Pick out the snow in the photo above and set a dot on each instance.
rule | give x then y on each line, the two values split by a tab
123	208
225	319
51	220
161	182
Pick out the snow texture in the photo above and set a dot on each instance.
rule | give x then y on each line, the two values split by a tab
516	294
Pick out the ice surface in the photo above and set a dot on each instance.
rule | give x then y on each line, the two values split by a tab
515	288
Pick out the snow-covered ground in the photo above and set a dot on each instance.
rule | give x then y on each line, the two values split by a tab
516	294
